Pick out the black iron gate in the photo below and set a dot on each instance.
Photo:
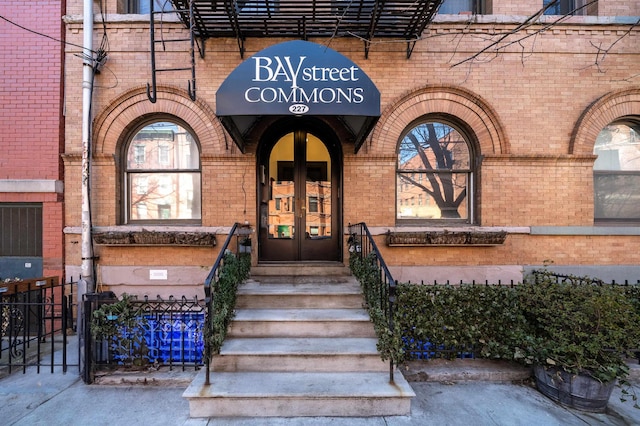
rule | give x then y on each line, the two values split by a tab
37	318
134	333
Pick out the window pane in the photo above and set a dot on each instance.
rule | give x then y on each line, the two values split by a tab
617	196
571	7
439	196
163	146
454	7
256	7
169	196
433	146
618	148
434	174
617	173
142	6
553	10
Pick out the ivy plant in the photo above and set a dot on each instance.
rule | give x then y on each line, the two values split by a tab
458	320
122	325
234	270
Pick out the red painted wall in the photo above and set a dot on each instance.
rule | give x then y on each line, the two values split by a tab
31	115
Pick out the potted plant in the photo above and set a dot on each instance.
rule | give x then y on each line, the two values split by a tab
579	333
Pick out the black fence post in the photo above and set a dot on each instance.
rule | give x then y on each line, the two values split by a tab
88	341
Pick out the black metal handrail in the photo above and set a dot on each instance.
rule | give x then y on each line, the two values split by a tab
209	285
361	243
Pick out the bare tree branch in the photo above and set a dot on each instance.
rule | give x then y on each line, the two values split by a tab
502	43
601	53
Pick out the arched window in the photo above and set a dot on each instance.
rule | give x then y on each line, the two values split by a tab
435	167
162	175
616	173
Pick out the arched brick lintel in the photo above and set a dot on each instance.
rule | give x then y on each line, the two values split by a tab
126	109
458	102
603	111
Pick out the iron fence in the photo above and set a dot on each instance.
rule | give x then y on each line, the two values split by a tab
146	333
37	316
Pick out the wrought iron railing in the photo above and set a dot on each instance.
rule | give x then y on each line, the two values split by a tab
539	275
213	288
381	291
139	333
35	318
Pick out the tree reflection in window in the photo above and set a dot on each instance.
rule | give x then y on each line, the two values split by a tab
162	175
616	173
434	164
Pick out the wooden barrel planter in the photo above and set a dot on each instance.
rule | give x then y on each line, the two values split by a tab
578	391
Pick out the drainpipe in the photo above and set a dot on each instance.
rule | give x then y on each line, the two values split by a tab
86	283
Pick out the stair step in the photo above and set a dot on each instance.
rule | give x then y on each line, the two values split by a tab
299	269
255	294
300	344
301	323
267	394
299	354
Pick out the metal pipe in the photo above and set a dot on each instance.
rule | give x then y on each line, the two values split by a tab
87	81
86	284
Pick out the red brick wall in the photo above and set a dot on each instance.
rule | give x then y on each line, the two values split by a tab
31	119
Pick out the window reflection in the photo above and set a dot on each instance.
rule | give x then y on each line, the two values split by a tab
617	173
293	195
163	174
434	174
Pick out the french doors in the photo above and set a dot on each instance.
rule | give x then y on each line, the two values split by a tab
299	200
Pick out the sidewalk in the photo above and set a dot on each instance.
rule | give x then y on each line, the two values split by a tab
452	396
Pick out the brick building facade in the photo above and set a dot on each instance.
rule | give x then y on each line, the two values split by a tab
32	124
528	111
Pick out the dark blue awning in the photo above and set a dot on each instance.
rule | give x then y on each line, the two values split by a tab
298	78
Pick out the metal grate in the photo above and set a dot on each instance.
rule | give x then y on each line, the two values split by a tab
365	19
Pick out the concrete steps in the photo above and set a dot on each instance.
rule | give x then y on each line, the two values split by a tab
300	354
301	323
299	394
301	344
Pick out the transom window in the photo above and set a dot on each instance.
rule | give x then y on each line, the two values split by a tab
162	175
435	168
616	173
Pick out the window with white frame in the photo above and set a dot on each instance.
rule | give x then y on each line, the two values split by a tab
434	165
616	173
164	185
139	154
163	155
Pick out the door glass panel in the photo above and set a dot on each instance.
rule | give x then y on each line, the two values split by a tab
282	189
318	190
